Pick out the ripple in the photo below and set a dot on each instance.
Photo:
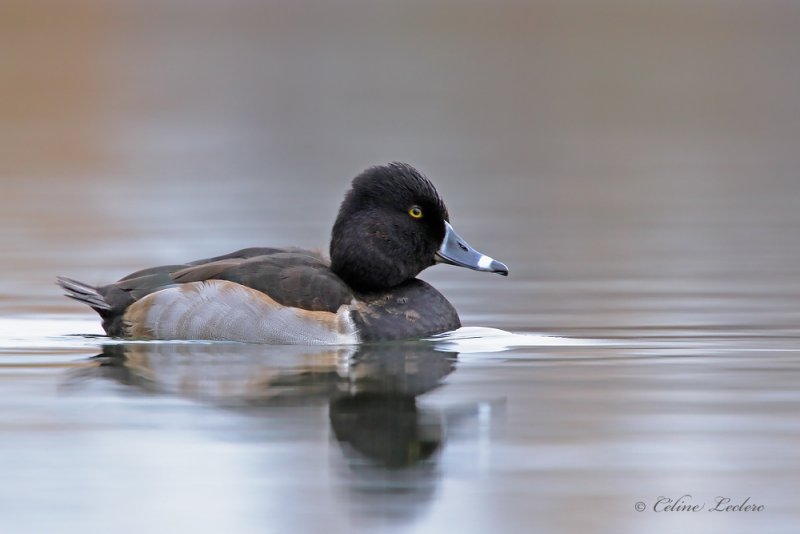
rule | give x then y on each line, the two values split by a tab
48	332
471	339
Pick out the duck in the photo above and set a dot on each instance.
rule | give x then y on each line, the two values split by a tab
391	225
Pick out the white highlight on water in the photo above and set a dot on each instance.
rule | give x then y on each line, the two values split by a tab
469	339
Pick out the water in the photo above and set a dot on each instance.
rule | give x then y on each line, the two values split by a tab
635	166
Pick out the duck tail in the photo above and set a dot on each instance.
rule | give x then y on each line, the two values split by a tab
83	293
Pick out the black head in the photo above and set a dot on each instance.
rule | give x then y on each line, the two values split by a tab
391	225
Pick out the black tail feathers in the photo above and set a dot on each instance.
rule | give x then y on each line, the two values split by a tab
83	293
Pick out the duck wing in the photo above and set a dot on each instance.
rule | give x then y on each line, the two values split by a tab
291	277
294	278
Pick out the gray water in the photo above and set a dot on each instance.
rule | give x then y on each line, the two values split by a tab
636	166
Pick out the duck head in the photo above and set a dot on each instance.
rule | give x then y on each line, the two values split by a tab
391	225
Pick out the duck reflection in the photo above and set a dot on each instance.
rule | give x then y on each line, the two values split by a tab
226	375
371	390
379	417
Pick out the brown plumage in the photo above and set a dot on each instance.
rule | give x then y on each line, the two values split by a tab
292	277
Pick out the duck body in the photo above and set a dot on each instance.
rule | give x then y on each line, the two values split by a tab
391	225
263	295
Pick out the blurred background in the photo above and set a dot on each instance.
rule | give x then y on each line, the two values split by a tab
634	163
577	141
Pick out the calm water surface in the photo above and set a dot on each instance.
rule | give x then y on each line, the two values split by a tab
636	168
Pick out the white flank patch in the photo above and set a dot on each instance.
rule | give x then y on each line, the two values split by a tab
222	310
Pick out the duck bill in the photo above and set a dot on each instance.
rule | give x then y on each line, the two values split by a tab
456	251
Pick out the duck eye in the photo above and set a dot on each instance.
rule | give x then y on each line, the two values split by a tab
415	211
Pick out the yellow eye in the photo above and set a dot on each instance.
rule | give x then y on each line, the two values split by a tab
415	212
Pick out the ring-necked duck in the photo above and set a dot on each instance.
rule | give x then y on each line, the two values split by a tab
391	225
